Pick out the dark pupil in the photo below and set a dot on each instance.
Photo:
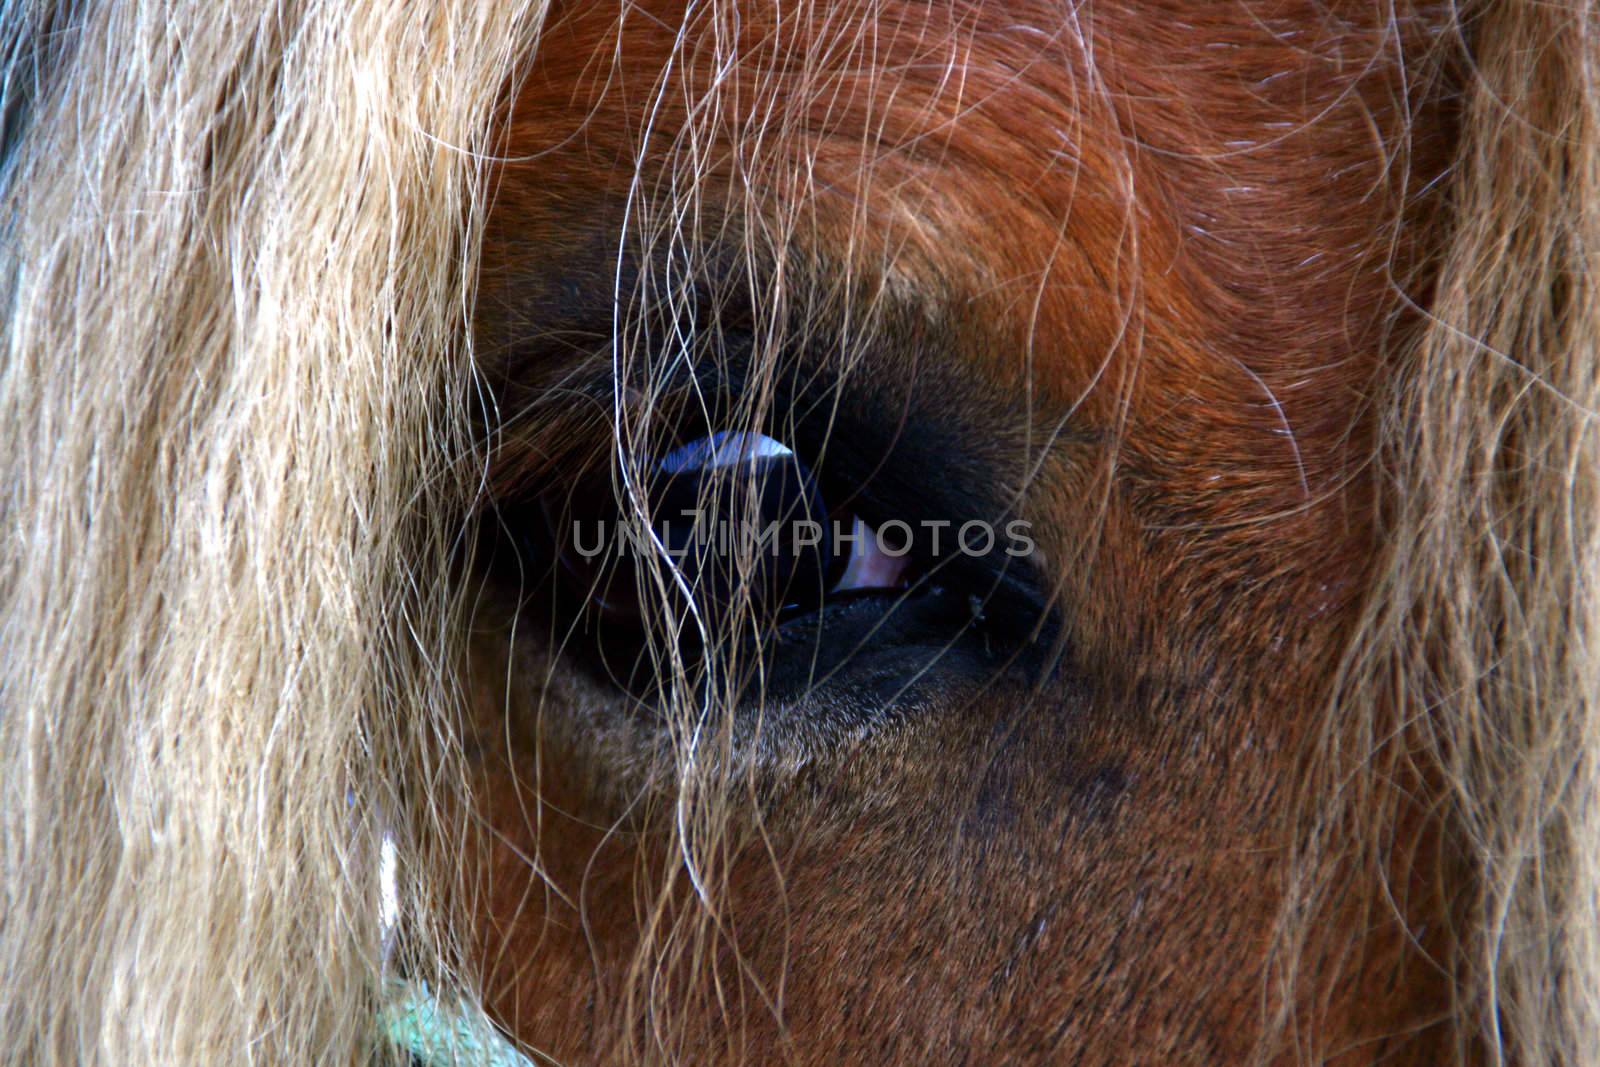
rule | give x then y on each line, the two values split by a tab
732	509
742	508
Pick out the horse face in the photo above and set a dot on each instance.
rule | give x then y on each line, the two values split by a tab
1119	275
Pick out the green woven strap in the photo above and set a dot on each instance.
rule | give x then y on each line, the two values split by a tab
443	1032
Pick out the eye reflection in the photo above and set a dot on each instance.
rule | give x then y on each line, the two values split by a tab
723	449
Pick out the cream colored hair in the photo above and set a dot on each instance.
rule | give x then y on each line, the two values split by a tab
238	248
236	275
1477	666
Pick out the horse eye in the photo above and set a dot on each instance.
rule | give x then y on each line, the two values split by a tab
744	520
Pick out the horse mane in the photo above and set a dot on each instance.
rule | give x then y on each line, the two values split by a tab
1474	667
237	254
238	257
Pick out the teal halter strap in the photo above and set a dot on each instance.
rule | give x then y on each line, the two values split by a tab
443	1032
